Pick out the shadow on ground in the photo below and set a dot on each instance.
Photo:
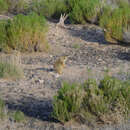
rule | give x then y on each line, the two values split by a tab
88	34
31	107
124	55
45	69
93	34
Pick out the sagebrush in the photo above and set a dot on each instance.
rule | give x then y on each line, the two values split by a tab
24	33
108	102
115	21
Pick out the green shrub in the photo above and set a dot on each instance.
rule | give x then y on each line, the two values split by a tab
17	6
116	94
50	9
111	88
79	11
115	21
3	6
76	15
67	102
84	10
107	102
24	33
18	116
125	92
93	101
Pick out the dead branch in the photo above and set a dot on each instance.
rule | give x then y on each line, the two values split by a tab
62	20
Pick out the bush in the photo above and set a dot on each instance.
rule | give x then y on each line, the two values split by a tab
115	22
3	7
17	6
93	101
50	9
24	33
68	101
84	10
118	104
108	102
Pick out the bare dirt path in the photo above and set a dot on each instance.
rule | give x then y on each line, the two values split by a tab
89	56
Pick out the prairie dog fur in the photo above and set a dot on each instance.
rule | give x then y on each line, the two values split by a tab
60	64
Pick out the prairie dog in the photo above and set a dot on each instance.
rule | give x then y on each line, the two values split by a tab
60	64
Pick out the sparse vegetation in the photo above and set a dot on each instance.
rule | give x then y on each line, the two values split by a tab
107	102
24	33
10	71
17	116
10	66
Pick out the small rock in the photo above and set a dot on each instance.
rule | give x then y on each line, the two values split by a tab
39	81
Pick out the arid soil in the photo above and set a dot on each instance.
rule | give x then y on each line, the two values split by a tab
89	56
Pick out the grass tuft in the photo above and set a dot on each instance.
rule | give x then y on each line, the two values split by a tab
9	71
18	116
10	66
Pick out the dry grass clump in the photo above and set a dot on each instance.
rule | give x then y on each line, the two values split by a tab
10	66
108	102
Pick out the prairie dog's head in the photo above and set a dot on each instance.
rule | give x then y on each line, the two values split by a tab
63	58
